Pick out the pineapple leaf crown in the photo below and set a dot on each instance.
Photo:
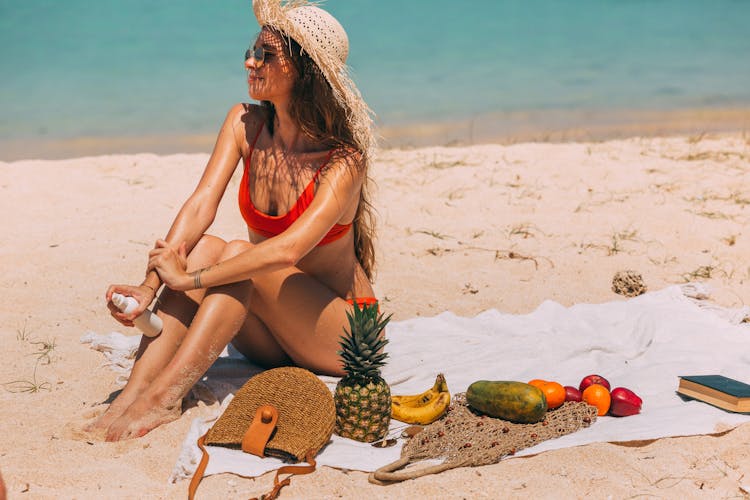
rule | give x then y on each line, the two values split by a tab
362	345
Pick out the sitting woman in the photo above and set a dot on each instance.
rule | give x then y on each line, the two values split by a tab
280	298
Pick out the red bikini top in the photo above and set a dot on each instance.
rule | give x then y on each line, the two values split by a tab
271	225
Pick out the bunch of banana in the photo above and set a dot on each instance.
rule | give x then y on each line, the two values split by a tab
423	408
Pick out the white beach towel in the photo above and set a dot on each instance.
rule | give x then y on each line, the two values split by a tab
643	344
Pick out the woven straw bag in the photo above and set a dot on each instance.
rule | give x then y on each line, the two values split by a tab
286	413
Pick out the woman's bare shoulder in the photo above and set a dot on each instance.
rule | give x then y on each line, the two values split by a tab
346	164
248	114
242	119
347	156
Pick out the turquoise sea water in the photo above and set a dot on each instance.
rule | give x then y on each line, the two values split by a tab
114	68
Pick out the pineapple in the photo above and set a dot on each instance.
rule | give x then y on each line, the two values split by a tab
363	399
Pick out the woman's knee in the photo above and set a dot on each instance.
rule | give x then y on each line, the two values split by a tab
234	248
207	251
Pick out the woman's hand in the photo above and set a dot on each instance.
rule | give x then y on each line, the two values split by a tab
143	294
171	265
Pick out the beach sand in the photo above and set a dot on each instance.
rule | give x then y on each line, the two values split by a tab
461	229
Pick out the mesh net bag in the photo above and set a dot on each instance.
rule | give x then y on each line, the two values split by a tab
464	438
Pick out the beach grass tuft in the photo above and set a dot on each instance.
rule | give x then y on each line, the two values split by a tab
601	199
667	187
737	197
438	251
30	386
618	237
23	334
524	230
712	214
434	234
513	255
663	261
44	350
718	156
438	164
701	272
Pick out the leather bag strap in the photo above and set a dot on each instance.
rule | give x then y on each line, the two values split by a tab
198	474
293	470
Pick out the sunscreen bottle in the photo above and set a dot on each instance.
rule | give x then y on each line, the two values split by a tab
148	322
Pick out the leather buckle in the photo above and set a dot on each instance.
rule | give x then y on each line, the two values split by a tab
259	432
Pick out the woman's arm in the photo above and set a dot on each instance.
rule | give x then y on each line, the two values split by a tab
338	189
199	210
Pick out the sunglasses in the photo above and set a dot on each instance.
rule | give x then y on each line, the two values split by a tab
259	54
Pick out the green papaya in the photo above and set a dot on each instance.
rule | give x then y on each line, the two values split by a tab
513	401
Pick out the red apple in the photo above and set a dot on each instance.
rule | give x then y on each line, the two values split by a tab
624	402
593	379
572	394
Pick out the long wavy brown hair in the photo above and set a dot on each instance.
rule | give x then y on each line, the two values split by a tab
322	118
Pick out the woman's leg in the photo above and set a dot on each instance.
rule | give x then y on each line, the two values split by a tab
257	343
305	317
221	314
279	317
176	309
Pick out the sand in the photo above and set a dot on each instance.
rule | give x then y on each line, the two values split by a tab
462	229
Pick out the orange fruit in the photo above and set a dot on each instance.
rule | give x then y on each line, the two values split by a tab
537	382
553	392
598	395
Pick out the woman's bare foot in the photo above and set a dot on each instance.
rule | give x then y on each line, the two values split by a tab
84	428
101	420
144	415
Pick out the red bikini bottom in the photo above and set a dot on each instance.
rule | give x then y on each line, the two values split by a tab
361	301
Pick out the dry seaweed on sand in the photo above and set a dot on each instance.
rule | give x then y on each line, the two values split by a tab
628	283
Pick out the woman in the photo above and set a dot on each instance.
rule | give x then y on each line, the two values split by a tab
281	298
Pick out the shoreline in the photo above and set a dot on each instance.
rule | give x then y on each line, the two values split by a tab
548	126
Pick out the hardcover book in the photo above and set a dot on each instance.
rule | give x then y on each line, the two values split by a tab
726	393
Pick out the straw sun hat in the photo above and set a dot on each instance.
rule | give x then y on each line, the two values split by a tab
323	38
